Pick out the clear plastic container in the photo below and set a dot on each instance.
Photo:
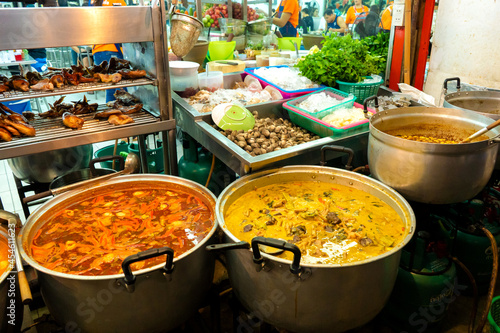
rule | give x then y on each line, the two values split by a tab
211	81
184	77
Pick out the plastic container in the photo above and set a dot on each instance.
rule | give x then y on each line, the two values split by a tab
347	100
360	90
262	60
221	50
211	81
19	106
285	93
286	43
322	128
154	157
184	77
494	315
108	151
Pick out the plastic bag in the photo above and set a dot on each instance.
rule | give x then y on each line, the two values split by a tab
270	40
417	95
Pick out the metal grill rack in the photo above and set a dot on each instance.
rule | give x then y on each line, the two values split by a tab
142	32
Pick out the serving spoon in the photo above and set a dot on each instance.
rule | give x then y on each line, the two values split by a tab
482	131
131	166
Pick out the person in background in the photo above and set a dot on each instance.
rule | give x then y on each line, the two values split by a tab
306	22
106	51
356	13
387	17
288	20
315	12
371	25
334	22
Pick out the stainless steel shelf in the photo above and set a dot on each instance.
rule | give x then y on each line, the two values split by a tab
52	134
200	128
69	89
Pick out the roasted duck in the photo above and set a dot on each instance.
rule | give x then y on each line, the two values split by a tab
11	115
72	121
10	129
116	64
43	85
120	119
84	79
57	109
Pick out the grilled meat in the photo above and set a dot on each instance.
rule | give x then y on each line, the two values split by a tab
72	121
33	78
19	83
101	68
4	88
120	119
130	109
70	78
84	79
5	135
57	80
24	128
29	115
129	74
43	85
106	114
10	129
83	107
125	98
116	64
106	78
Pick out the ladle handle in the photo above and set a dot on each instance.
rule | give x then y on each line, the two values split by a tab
493	125
24	287
338	149
37	196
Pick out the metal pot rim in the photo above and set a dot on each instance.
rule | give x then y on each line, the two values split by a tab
427	146
3	234
33	221
405	206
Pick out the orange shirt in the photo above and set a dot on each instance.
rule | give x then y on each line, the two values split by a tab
108	47
292	7
351	14
387	18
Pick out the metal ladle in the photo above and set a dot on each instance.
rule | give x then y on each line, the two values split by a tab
481	131
131	165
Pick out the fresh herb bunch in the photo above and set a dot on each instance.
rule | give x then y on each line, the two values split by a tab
341	58
378	47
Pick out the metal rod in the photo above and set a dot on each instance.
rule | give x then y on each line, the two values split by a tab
172	146
166	149
143	154
82	87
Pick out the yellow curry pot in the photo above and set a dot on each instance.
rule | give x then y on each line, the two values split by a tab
309	297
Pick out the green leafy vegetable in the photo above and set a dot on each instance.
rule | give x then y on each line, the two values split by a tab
341	58
378	46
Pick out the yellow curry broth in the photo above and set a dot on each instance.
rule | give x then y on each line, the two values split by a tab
4	255
331	224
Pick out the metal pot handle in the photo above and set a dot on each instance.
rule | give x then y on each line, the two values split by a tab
228	246
92	163
148	254
338	149
445	83
279	244
365	105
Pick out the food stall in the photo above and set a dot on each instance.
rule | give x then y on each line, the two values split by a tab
345	212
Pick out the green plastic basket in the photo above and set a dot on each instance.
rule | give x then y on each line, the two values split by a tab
494	315
360	90
154	157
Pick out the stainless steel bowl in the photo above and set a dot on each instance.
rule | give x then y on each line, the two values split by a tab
44	167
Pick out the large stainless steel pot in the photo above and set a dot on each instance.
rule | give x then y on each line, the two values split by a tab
44	167
486	103
429	172
158	301
315	297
